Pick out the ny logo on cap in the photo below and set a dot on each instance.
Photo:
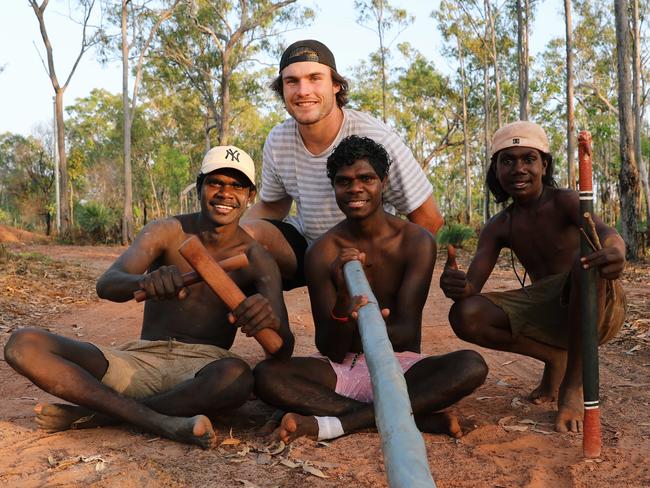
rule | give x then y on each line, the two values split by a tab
515	140
234	154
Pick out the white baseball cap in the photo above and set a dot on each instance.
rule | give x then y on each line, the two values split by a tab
520	133
220	157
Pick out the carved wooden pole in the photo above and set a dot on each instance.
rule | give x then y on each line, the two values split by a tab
588	308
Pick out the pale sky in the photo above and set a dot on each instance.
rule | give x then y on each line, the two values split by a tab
26	91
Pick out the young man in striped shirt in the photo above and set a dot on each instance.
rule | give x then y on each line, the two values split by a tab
295	154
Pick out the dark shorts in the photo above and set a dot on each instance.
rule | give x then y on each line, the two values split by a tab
299	246
540	310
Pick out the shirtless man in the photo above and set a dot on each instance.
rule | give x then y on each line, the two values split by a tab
331	394
541	226
181	367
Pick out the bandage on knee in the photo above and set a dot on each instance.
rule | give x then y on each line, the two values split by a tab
329	428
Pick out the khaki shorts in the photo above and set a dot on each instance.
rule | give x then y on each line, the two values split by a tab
540	311
140	369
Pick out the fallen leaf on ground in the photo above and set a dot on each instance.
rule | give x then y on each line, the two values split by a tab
230	441
289	463
263	458
502	383
508	362
313	471
515	428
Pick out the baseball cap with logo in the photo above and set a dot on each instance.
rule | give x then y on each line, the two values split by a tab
220	157
521	133
307	50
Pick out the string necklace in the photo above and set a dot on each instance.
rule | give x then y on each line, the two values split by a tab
512	254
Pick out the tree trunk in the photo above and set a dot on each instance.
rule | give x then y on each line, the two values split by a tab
382	55
629	174
224	125
66	221
127	218
486	124
468	178
570	117
522	49
495	58
638	110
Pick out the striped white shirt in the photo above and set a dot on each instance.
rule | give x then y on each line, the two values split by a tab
290	169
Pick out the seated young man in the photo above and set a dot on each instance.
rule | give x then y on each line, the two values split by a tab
181	368
541	226
331	394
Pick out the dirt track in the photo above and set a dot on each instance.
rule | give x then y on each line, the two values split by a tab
512	445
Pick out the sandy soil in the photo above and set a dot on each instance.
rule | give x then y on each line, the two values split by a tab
512	444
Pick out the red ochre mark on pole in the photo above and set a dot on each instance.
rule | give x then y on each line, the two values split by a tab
585	164
591	435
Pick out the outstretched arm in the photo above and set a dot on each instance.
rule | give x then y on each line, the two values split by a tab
330	302
126	274
428	216
457	284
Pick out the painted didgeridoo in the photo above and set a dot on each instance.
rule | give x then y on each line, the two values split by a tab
591	440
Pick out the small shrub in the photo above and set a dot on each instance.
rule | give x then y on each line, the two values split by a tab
99	222
454	234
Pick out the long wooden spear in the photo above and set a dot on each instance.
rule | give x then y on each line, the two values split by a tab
588	307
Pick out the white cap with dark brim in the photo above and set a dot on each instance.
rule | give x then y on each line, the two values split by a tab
521	133
220	157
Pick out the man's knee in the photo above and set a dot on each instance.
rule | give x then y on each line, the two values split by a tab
269	375
231	377
466	318
22	346
474	367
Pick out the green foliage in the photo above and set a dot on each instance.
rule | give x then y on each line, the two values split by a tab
5	217
455	234
98	222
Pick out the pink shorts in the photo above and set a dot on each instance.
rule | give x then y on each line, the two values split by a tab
353	377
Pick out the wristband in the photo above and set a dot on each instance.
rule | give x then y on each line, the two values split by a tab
343	320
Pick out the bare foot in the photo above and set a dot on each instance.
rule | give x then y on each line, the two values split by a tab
440	423
55	417
548	388
569	410
190	430
271	424
294	426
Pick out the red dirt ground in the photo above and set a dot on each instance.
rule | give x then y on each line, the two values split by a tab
512	444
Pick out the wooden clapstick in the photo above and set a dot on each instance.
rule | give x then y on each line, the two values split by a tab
223	286
229	264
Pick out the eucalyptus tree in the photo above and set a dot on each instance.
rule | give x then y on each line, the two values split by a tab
383	19
208	41
89	36
629	173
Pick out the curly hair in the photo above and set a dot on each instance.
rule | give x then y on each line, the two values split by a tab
353	148
337	79
500	195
